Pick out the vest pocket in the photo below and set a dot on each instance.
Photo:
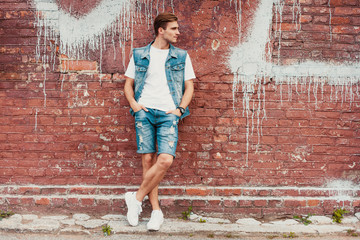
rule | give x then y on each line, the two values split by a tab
140	69
178	67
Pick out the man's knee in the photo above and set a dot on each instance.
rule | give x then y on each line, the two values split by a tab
147	159
165	160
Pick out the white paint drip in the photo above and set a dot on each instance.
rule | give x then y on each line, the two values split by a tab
330	28
250	62
36	114
76	36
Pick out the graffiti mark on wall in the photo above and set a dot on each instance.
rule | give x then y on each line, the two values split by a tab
252	67
76	36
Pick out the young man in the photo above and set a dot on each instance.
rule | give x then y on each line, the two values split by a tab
159	87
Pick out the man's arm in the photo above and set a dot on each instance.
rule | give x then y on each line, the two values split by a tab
130	95
186	99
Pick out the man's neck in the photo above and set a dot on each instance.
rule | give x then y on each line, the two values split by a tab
160	44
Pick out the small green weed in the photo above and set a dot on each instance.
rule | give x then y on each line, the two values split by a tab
304	219
229	235
5	214
338	214
186	214
290	235
211	235
107	230
202	220
352	233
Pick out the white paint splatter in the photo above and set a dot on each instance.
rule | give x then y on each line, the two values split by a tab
250	62
76	36
104	138
343	190
330	16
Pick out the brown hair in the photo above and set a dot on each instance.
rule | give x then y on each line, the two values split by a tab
162	19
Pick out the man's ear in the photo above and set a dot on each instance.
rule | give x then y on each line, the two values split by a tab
161	30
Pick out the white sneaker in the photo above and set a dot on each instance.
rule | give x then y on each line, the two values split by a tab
134	208
157	218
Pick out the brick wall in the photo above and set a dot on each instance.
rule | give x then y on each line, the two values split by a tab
281	144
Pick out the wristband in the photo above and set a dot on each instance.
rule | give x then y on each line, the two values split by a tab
182	110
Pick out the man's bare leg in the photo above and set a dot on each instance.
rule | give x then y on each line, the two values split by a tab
148	160
154	175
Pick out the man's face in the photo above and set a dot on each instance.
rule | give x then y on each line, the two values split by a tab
171	33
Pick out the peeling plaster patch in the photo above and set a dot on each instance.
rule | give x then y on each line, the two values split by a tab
105	148
300	153
102	137
341	189
215	44
353	165
81	98
122	140
94	118
342	184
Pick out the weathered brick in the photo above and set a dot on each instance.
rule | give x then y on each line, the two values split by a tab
198	191
42	201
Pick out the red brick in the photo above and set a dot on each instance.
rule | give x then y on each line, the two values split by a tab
230	203
28	190
356	203
27	201
78	65
313	203
295	203
228	192
198	191
346	29
87	201
42	201
57	202
347	11
260	203
340	20
82	190
167	202
13	200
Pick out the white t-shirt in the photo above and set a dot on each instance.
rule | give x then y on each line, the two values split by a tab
156	92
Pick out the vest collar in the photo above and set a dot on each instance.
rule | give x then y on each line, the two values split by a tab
146	53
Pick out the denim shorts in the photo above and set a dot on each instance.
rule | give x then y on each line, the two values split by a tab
155	126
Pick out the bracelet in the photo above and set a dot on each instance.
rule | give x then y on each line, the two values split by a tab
182	110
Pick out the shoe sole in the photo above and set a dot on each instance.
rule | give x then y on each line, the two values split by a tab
154	229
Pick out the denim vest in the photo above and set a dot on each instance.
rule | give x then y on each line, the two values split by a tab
174	70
